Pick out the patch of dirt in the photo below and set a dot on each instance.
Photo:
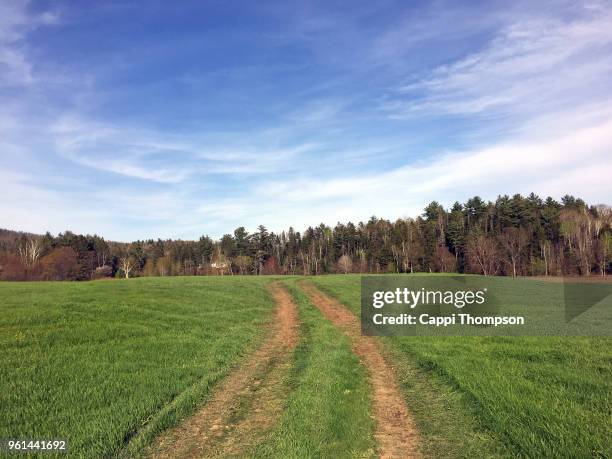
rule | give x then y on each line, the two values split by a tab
246	403
396	433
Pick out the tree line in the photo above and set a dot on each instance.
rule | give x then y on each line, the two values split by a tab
513	236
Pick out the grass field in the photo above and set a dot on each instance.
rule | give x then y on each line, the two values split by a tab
108	365
519	396
97	362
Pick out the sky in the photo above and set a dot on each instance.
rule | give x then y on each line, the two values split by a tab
138	120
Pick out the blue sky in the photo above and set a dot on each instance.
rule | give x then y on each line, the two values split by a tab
176	119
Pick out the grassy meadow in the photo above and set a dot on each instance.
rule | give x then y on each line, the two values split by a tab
97	363
109	364
500	396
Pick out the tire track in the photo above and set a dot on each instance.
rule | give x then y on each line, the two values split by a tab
396	433
246	403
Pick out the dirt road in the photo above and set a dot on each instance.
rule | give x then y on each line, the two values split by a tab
396	433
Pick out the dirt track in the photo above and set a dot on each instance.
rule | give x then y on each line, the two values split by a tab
247	402
396	434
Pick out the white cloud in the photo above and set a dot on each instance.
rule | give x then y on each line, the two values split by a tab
530	66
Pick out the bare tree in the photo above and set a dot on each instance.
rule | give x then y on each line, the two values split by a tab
444	261
513	242
345	264
579	230
127	265
546	249
243	262
603	251
163	265
483	255
411	247
604	218
603	247
29	251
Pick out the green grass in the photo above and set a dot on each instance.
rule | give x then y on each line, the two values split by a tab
108	365
103	364
502	396
328	411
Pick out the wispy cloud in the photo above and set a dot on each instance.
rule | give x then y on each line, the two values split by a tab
166	158
15	23
578	160
530	66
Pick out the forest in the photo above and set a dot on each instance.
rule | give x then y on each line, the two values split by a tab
513	236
